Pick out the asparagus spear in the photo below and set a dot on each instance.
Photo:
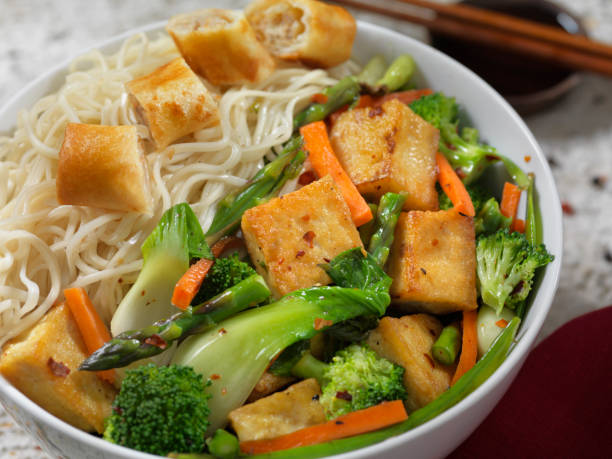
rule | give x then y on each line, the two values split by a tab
134	345
397	75
346	91
386	218
373	71
262	187
446	347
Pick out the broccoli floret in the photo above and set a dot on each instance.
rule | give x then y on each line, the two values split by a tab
225	273
465	153
505	264
489	218
159	410
356	378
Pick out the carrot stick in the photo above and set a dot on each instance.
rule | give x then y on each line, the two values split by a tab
453	187
518	225
510	200
469	345
92	329
324	162
188	285
226	243
355	423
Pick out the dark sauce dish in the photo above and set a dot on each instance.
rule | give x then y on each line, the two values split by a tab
529	84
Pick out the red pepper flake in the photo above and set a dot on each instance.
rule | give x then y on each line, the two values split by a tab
143	293
300	253
120	280
307	177
376	111
319	98
306	218
423	271
434	242
430	360
527	158
215	376
326	260
322	323
58	368
224	391
222	331
344	395
309	237
156	341
502	323
567	208
281	261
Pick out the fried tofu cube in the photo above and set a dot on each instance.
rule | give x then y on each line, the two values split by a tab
290	236
433	262
407	342
310	31
173	102
42	363
221	46
268	384
281	413
389	148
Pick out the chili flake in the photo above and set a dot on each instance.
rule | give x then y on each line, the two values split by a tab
58	368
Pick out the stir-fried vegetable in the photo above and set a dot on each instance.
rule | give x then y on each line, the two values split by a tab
130	346
166	253
386	219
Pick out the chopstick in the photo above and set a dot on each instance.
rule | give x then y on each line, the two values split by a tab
499	30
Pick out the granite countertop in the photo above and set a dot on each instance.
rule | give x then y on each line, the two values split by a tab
575	134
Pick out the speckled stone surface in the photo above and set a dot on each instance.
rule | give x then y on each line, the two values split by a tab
575	134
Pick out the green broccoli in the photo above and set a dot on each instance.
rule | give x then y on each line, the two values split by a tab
489	218
160	409
505	264
355	379
465	152
225	273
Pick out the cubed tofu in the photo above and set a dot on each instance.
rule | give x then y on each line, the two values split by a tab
290	236
407	342
42	363
173	102
389	148
268	384
280	413
433	262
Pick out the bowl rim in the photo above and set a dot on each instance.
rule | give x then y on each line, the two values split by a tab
523	342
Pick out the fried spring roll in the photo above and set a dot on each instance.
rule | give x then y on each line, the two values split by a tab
173	102
309	31
103	166
221	46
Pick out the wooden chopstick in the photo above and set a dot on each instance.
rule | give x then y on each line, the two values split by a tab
452	24
522	27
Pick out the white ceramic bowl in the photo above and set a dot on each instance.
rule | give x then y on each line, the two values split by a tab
498	123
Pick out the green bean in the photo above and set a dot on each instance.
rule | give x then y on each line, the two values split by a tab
447	346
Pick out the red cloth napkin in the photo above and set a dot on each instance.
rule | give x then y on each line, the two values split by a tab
560	405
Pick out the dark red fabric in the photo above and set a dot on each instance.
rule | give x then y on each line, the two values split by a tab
560	405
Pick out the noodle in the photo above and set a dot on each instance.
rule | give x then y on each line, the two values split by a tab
45	247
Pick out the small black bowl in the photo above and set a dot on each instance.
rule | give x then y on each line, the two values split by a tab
527	83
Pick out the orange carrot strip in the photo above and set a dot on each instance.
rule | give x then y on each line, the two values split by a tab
407	97
355	423
226	243
188	285
319	98
92	329
518	225
510	200
469	345
324	162
453	187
